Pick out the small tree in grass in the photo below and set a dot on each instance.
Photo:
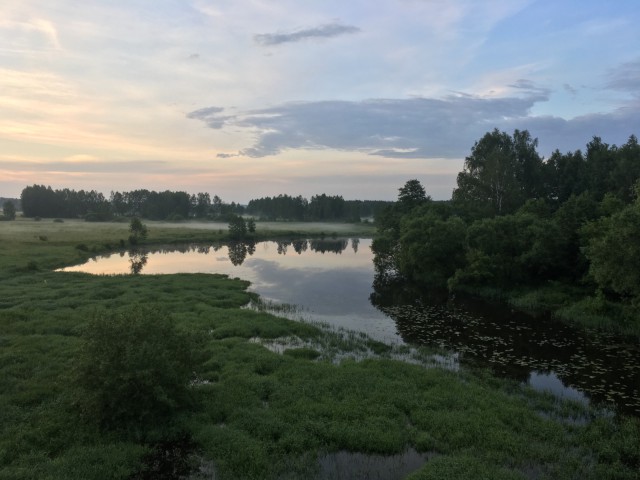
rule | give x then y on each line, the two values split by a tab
251	225
134	372
237	227
138	231
9	210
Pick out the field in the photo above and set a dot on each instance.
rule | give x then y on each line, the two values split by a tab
252	411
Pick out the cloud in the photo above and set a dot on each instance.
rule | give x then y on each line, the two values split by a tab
568	88
536	92
409	128
417	127
210	116
625	77
323	31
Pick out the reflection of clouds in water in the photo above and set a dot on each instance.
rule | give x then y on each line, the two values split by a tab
551	383
321	291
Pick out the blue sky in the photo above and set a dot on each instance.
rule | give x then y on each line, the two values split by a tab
247	98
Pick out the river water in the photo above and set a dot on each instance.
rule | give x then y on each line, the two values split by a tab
331	280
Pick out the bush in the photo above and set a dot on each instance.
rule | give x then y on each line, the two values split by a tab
134	372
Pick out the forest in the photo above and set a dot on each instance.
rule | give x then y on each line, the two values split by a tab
45	202
557	235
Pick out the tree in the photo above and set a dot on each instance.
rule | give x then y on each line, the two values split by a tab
134	372
237	227
614	251
411	195
138	231
251	225
500	174
9	210
431	249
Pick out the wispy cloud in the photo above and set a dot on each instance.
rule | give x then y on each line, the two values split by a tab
626	77
323	31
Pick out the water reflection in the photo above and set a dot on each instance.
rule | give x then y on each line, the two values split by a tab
547	354
331	283
137	260
238	251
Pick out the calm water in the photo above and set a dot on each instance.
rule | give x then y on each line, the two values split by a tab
331	281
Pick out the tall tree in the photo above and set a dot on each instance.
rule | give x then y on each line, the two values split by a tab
500	174
411	195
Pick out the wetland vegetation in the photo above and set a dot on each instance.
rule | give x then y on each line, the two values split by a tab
244	410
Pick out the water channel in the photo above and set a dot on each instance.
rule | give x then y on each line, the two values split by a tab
330	280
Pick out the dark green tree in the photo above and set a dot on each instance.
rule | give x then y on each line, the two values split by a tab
500	174
134	372
251	225
613	250
237	227
431	249
9	210
138	231
411	195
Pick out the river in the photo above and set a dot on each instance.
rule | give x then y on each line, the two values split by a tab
330	280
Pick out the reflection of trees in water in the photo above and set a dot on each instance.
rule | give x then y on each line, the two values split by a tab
238	251
355	242
282	246
513	344
137	261
319	246
300	246
329	245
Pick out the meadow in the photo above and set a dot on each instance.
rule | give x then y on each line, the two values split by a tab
252	411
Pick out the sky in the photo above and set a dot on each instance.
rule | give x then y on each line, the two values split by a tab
252	98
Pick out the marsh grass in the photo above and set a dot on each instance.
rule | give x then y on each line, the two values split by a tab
260	414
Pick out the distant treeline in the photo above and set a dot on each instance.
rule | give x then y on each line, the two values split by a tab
45	202
517	221
15	201
319	208
42	201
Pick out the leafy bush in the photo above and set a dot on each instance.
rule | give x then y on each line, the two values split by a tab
134	372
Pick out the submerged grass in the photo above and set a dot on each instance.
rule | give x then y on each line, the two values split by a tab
261	413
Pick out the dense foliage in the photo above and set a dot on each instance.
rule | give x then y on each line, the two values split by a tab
8	210
45	202
319	208
134	371
41	201
517	222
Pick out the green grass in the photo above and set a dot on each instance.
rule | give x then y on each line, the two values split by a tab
259	413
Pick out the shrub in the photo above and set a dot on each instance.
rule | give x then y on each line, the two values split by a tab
134	372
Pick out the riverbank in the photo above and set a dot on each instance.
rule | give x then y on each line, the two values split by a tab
261	412
572	304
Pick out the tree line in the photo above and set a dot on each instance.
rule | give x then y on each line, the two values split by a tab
320	208
45	202
567	226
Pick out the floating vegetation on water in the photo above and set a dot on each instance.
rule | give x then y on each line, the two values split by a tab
336	345
602	367
260	304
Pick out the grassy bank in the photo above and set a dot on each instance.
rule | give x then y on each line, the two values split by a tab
258	413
